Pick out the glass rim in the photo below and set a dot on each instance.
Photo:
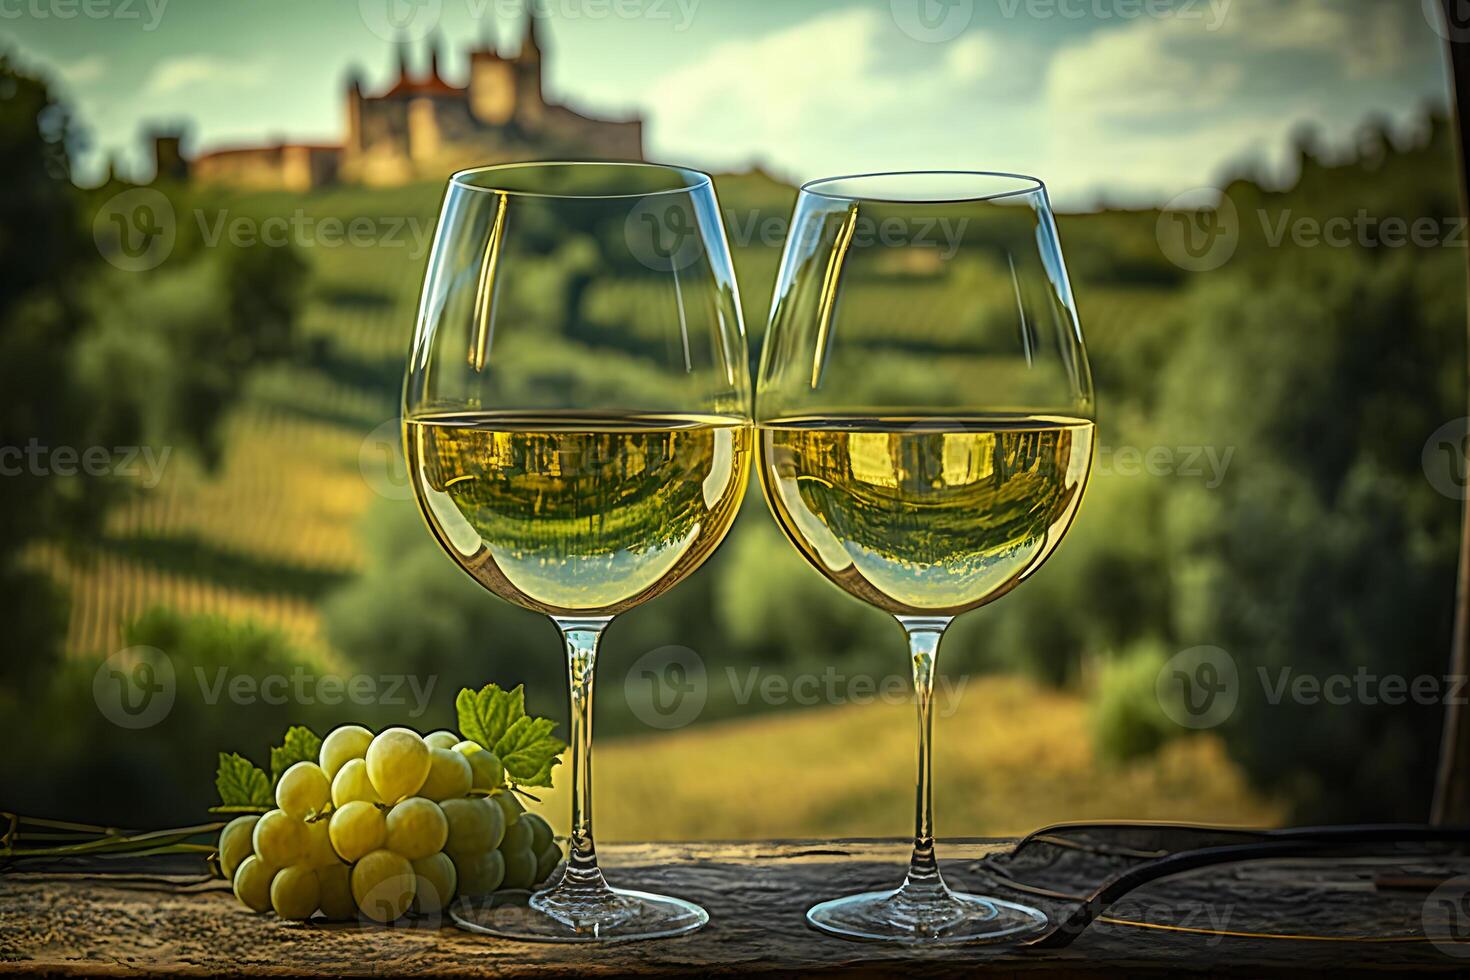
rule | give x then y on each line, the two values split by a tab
1022	185
694	180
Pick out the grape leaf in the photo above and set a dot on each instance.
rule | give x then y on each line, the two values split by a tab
528	750
241	782
487	714
301	744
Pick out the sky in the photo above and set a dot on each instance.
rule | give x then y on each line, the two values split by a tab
1128	101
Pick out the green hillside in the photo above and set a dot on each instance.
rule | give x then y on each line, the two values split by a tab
275	526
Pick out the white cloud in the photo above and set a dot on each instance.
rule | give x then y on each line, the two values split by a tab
806	94
1147	67
973	56
1142	169
178	74
1147	109
776	87
1159	105
1176	64
83	70
1367	42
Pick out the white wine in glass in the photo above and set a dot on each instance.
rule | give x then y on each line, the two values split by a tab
926	516
578	515
925	433
577	425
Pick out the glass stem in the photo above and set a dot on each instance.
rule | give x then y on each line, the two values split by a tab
924	633
582	636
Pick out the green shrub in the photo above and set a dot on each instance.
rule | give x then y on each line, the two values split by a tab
1127	720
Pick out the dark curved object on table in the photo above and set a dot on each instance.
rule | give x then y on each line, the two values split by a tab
1133	854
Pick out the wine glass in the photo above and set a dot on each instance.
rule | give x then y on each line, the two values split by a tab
577	427
924	418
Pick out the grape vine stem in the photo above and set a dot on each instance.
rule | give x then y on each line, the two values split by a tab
93	840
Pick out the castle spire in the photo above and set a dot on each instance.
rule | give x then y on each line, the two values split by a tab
531	44
402	46
434	56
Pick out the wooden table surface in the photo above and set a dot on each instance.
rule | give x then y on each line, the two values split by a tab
77	921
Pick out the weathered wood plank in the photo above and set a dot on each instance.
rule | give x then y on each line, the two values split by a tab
63	923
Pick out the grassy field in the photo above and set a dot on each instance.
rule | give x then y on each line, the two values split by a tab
1011	758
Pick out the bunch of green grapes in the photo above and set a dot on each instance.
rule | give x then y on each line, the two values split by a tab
386	825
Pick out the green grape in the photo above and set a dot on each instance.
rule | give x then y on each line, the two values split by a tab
479	874
546	860
416	828
475	825
509	805
319	849
449	776
383	885
518	835
434	887
352	783
253	884
540	831
296	892
335	882
397	764
280	839
341	746
235	844
520	867
357	829
303	789
489	774
441	740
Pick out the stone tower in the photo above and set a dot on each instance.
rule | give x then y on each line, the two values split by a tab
168	155
492	84
352	140
530	106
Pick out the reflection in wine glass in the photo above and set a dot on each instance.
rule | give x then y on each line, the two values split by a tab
925	433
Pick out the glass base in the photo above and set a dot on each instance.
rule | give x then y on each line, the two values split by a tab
559	915
927	916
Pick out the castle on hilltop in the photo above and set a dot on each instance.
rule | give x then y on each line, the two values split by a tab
424	127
